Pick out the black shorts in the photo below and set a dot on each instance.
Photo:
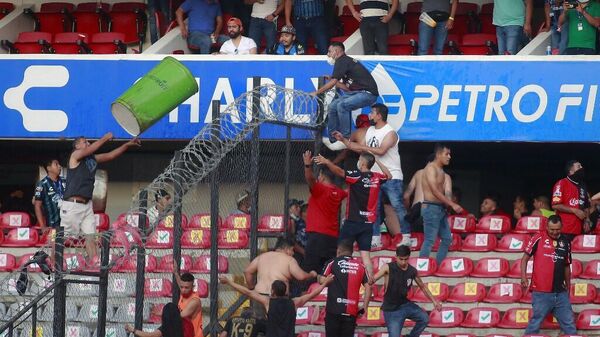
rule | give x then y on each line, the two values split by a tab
360	232
320	248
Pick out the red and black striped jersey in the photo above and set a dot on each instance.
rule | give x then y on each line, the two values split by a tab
343	294
363	195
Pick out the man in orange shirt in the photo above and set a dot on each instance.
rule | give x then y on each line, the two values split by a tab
189	301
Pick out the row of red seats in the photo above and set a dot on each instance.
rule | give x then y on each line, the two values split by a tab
128	18
162	287
23	220
474	292
468	44
191	239
489	267
426	334
453	317
5	8
485	242
66	43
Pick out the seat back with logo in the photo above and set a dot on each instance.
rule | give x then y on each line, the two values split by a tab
455	267
479	242
448	317
467	292
504	293
491	267
482	317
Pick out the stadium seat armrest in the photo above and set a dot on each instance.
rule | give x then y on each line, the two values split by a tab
8	46
46	47
121	47
83	47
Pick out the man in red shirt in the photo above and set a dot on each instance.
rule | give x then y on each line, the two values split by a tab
322	225
551	278
571	201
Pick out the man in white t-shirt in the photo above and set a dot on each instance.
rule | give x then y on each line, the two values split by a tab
237	44
263	20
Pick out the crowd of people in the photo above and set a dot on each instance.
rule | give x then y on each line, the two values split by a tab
573	25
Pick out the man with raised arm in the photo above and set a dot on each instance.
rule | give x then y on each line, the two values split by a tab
435	201
77	213
189	304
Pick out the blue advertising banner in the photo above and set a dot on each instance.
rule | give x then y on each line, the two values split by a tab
457	99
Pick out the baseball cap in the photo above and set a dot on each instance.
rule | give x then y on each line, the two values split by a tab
235	21
288	30
242	195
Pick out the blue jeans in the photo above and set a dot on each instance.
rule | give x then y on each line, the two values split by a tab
199	42
559	39
393	190
339	114
426	33
509	39
153	7
435	222
318	30
260	27
556	303
394	320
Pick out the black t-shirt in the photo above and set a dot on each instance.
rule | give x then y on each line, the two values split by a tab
343	294
399	283
354	75
281	318
245	327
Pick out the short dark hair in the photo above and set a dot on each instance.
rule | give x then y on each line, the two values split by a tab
493	198
338	45
346	245
543	199
284	242
381	109
369	158
439	147
570	164
76	140
48	163
402	251
555	219
430	158
187	277
247	313
279	288
161	193
326	172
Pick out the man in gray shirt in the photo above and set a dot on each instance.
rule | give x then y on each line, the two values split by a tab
442	12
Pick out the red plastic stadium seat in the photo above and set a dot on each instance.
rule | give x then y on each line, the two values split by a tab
29	43
5	8
46	238
201	287
455	244
56	6
156	313
131	23
21	237
462	224
530	224
588	319
125	237
157	287
321	317
233	239
550	322
426	266
491	267
467	292
167	222
53	17
446	318
108	43
306	315
515	318
504	293
349	23
582	293
455	267
403	44
238	221
386	243
202	264
586	244
272	223
32	267
73	262
591	270
124	218
481	317
413	11
372	317
166	263
479	243
129	264
380	261
478	44
416	241
439	290
512	242
515	269
340	39
195	239
102	219
92	6
486	18
202	221
576	268
130	6
322	297
89	22
8	262
15	219
495	224
465	13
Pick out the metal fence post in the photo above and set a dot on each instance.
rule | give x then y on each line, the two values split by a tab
141	261
60	292
254	164
177	231
103	285
286	192
214	230
320	119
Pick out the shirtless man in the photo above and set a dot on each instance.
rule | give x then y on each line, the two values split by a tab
435	201
271	266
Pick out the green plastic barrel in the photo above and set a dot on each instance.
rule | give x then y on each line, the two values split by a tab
152	97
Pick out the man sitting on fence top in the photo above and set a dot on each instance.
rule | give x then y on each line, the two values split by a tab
275	265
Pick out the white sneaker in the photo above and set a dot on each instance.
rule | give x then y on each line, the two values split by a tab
405	240
337	146
376	242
